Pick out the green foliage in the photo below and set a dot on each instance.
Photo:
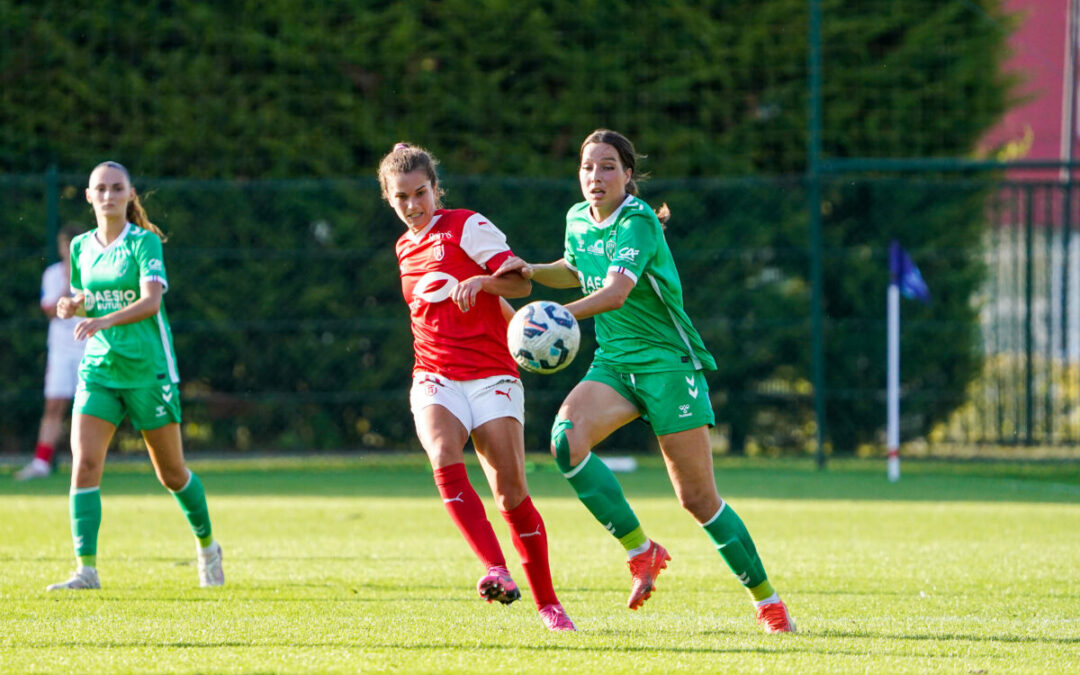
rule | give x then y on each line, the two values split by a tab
255	90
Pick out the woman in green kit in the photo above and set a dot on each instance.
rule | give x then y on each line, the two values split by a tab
649	363
128	369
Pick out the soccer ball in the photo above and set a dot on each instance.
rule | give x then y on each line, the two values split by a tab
543	337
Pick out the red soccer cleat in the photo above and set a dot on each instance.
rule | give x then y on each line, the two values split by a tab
775	618
644	568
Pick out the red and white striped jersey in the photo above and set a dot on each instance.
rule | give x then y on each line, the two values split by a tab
457	244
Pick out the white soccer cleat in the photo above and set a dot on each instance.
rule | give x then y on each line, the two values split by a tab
84	578
210	570
35	469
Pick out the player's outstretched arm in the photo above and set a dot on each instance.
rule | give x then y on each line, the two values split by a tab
505	286
554	275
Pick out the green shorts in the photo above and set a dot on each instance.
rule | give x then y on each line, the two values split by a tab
149	407
670	401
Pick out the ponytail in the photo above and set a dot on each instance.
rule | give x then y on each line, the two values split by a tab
663	214
137	215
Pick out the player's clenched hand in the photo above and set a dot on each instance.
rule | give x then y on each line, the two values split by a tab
464	294
66	307
514	264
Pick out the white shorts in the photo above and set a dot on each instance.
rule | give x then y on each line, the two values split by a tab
62	373
473	402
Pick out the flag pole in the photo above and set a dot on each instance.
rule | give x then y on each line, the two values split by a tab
904	279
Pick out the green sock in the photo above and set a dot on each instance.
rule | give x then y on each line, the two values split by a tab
85	506
737	549
192	499
600	492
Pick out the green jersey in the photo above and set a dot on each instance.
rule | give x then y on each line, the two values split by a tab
651	331
133	355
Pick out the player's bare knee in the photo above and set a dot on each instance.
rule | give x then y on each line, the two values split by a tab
85	474
701	504
508	499
173	478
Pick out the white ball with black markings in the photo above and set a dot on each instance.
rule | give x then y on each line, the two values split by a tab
543	337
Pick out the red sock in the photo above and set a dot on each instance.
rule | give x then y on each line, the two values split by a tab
44	452
530	540
467	512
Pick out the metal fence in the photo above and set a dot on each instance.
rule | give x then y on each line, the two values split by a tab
291	333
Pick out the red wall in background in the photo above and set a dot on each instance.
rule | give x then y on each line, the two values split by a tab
1039	55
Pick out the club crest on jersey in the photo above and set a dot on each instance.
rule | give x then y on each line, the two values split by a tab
121	262
609	249
438	252
434	287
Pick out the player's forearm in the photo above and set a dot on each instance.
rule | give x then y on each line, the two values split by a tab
142	308
596	303
611	296
508	286
555	275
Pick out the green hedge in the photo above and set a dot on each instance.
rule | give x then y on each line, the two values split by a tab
504	87
292	334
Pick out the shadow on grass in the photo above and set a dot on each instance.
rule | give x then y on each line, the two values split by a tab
408	476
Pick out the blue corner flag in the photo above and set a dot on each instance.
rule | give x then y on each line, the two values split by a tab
904	273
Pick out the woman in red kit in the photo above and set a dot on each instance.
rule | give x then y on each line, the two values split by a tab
464	381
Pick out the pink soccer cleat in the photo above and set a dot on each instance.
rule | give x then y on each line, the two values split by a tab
497	586
555	618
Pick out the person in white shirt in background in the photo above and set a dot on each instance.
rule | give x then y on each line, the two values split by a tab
62	363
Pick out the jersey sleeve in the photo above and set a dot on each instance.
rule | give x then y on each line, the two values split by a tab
636	242
151	260
76	274
483	242
569	255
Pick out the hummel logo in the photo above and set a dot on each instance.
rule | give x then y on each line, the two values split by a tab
455	499
160	411
690	388
530	534
504	393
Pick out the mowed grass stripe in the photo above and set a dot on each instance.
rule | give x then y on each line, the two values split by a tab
351	565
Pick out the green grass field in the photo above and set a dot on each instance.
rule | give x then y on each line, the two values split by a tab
348	565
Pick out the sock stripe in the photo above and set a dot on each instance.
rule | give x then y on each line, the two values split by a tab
715	515
573	472
186	485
